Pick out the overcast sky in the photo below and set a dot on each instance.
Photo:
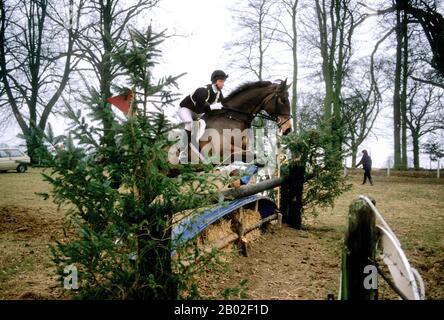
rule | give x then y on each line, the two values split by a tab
203	27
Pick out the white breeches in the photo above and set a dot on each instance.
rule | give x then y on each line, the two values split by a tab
193	124
187	116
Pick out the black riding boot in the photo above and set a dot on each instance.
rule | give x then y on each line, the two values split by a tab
193	145
184	155
188	136
191	142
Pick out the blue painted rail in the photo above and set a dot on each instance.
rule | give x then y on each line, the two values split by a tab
189	227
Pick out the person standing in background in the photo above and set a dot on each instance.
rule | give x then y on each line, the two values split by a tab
366	162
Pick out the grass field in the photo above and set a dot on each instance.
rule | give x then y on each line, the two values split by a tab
310	258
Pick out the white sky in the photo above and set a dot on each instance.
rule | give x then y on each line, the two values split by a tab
203	27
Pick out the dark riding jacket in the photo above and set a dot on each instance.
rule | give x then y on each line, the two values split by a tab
201	99
366	162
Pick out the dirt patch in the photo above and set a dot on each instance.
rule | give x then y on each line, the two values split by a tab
26	270
26	221
305	264
283	264
28	225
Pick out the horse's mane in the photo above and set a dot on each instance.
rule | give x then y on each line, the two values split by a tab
247	86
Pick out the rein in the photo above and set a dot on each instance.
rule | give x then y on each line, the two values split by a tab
257	113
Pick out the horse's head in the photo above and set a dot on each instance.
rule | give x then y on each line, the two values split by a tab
278	106
252	97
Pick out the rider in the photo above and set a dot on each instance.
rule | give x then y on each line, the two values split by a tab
202	100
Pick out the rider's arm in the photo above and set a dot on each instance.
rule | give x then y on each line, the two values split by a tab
199	98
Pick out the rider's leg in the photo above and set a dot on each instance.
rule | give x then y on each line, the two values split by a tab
186	116
190	145
195	135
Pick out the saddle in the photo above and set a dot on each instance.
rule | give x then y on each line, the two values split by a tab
230	114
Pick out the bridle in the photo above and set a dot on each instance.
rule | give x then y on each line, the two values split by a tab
261	107
277	102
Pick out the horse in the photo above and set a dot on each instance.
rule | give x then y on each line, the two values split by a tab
240	107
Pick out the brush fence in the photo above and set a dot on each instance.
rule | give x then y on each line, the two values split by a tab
237	221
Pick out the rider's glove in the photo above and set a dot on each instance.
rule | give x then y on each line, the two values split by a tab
216	106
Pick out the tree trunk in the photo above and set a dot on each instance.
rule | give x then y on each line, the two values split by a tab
36	22
396	96
106	76
404	161
155	261
294	98
354	150
415	139
30	89
332	27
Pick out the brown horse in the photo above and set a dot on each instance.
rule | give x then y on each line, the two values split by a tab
240	108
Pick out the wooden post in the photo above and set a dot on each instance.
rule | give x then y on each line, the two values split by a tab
295	193
388	168
285	200
291	194
358	252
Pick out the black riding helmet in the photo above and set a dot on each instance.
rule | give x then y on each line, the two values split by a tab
218	75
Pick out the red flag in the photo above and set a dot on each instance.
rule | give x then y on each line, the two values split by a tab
122	102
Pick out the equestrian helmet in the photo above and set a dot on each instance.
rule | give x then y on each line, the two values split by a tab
218	75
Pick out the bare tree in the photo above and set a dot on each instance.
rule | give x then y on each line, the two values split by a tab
36	59
252	44
337	21
424	114
397	93
434	149
426	14
432	23
310	111
106	30
359	113
251	49
408	14
289	36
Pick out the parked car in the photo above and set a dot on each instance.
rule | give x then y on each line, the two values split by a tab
13	159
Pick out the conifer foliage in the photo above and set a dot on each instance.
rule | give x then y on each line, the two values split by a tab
323	179
121	197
